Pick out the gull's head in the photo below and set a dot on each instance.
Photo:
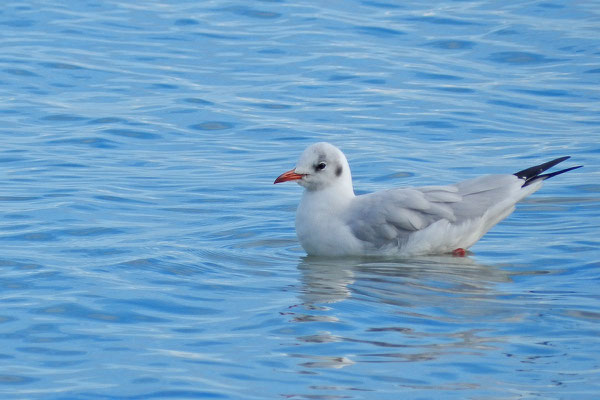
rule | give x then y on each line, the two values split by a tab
322	165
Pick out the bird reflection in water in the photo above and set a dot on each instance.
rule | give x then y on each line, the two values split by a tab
411	310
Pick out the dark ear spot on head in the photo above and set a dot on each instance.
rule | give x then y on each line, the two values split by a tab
338	170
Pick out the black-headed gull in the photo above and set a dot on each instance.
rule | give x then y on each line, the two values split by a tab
332	221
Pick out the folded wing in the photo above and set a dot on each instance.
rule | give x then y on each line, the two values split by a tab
391	217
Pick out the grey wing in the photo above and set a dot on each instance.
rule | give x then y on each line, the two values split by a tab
390	216
489	195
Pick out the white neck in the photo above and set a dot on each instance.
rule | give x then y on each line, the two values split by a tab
319	217
334	197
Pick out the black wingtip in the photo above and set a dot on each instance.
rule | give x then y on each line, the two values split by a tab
532	174
562	171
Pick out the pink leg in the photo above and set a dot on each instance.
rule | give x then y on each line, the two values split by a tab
460	252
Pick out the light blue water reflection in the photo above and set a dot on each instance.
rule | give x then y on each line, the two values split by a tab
146	254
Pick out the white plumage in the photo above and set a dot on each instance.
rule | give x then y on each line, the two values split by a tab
332	221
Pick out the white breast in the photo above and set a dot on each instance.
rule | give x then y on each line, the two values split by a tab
321	226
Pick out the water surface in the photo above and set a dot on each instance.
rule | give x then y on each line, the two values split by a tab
146	254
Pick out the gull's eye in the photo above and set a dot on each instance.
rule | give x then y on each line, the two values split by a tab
320	166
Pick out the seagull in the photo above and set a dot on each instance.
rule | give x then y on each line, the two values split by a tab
332	221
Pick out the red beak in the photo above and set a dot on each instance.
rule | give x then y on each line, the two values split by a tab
288	176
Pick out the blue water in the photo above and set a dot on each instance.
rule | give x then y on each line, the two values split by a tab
146	254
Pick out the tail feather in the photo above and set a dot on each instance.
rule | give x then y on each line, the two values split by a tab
532	174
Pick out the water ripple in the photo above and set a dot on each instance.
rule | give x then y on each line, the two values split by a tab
520	58
146	252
